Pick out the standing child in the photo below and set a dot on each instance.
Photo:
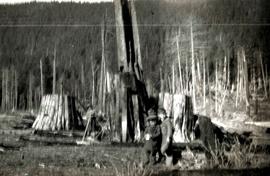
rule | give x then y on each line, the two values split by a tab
152	137
167	134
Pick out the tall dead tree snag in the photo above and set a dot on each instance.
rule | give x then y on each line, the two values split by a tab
15	90
101	84
246	81
41	78
138	61
9	89
3	103
193	68
54	70
263	74
130	70
179	62
103	73
242	81
30	91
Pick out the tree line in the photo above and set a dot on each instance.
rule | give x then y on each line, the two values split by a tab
182	43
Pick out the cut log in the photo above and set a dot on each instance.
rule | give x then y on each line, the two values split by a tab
57	112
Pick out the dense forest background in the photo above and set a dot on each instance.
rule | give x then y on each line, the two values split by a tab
71	33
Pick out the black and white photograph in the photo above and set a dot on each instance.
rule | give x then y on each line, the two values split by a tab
134	87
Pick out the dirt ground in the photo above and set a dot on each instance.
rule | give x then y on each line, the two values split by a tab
19	155
67	160
25	159
22	155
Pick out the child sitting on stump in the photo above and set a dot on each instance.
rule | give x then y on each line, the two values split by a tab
152	136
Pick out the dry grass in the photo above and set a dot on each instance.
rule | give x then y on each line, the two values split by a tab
132	169
68	160
239	156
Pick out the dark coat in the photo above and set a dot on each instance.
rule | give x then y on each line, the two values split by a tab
153	143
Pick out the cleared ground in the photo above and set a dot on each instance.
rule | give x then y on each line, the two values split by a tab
24	153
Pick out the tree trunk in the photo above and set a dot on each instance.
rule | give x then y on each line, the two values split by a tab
104	87
237	80
137	47
11	92
179	65
193	69
101	81
120	36
124	118
263	74
117	124
246	82
216	89
229	71
204	83
41	78
83	88
93	83
161	81
198	70
173	79
187	73
16	90
30	92
127	46
7	92
54	70
3	103
225	72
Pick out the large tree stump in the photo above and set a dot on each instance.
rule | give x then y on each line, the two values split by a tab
57	112
180	107
128	87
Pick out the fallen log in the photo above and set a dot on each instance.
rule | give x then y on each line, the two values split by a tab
49	140
61	133
15	132
11	145
260	124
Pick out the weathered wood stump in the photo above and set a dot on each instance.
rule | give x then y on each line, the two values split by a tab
57	112
180	108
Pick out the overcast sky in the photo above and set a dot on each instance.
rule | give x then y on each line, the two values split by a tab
22	1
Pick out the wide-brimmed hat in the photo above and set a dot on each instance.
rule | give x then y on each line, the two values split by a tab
152	115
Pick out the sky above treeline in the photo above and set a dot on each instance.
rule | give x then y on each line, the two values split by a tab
23	1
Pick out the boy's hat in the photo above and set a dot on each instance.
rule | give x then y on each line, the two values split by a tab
161	111
152	115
